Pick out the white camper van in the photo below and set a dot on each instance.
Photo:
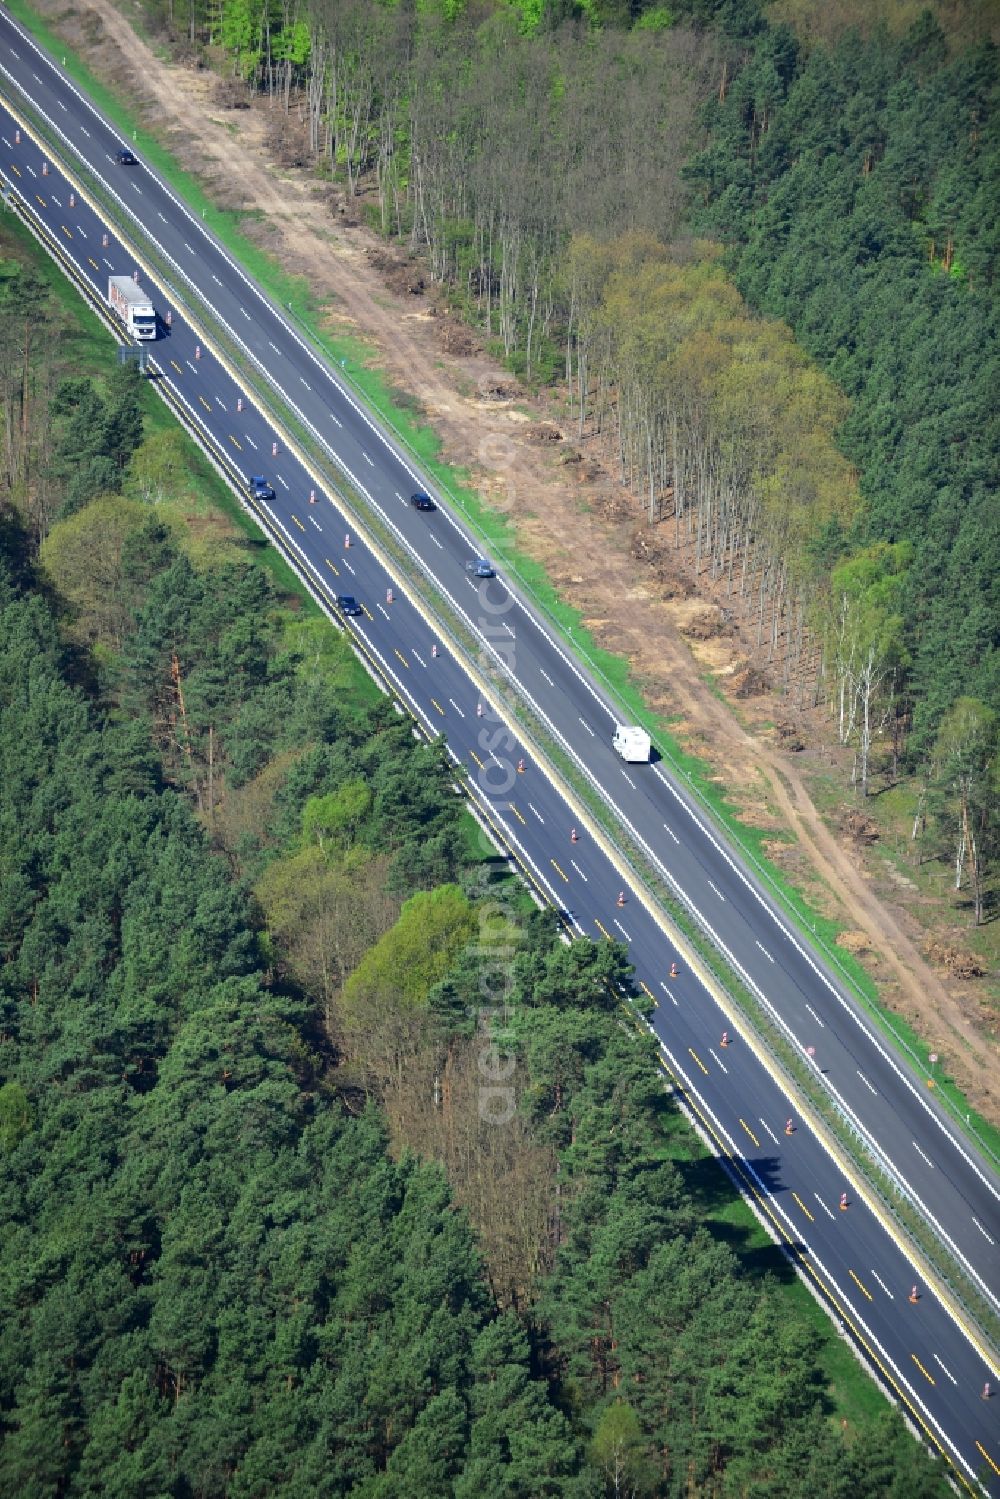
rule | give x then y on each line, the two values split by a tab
632	743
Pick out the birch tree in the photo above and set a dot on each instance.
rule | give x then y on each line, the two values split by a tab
966	779
867	594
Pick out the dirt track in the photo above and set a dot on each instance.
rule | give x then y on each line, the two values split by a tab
579	527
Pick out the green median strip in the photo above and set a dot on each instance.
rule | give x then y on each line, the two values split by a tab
294	293
796	1073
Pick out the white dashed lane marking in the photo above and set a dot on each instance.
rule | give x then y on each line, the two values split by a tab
983	1231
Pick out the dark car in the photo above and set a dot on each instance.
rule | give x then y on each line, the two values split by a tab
480	568
258	488
126	158
421	501
348	604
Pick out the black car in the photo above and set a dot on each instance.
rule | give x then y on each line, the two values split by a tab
126	158
421	501
348	604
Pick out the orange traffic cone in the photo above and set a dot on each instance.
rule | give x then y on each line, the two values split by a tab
520	767
673	971
725	1039
574	837
987	1392
789	1128
914	1296
843	1202
621	897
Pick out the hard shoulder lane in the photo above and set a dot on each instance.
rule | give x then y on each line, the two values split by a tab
781	988
580	879
699	865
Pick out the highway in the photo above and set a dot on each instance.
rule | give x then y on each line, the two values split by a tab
850	1257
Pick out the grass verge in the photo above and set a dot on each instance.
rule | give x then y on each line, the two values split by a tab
424	443
356	363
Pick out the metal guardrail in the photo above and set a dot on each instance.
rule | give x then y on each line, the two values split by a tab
800	1080
626	712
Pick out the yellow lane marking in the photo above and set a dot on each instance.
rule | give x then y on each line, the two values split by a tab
474	755
176	366
93	262
333	566
658	916
68	232
41	200
750	1133
368	612
555	866
517	814
922	1369
398	653
602	928
298	522
825	1288
438	706
15	169
697	1058
647	990
207	404
235	442
863	1289
987	1457
802	1205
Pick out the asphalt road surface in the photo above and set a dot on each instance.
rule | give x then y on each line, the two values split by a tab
929	1362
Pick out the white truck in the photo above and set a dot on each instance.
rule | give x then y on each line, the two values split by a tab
632	743
133	306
